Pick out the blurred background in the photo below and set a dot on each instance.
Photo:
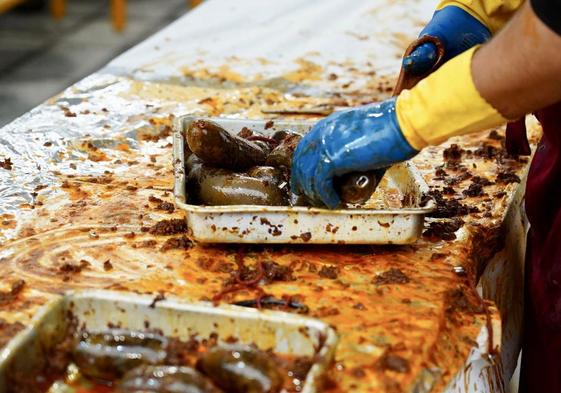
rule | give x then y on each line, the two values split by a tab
47	45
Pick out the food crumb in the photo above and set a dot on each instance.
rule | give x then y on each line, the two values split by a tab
453	153
169	227
391	276
159	297
177	243
443	230
166	206
507	177
7	164
107	265
154	199
330	272
12	294
393	362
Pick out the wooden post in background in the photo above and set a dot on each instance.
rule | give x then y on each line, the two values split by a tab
119	14
58	8
6	5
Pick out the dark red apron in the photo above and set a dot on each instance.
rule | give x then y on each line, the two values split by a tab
541	354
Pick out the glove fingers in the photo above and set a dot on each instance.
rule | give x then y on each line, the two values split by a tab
298	173
322	185
302	173
295	180
326	192
421	60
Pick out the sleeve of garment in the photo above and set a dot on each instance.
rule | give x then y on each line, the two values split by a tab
492	13
445	104
549	11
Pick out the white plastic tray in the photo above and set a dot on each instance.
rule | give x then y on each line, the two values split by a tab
282	332
284	224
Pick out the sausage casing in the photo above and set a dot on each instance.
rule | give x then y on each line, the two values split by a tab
217	187
217	147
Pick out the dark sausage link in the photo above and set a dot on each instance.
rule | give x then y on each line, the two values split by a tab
217	187
358	187
165	379
109	354
217	147
241	369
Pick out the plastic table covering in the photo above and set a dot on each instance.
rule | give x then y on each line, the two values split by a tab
84	178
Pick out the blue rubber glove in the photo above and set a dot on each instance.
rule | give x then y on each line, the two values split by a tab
457	30
358	139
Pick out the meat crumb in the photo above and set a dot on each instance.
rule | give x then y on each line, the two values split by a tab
494	135
448	208
159	297
330	272
448	191
150	243
458	301
12	294
269	124
393	362
276	272
67	112
392	276
68	269
507	177
481	180
154	199
169	227
166	206
443	230
487	151
177	243
107	265
474	190
453	153
7	164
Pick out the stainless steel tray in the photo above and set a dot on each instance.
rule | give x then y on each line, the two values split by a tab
374	223
283	332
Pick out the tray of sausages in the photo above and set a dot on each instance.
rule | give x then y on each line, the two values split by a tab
232	179
104	341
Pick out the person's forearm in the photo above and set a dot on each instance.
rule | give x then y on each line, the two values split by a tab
519	71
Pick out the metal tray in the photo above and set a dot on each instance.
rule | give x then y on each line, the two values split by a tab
373	223
284	333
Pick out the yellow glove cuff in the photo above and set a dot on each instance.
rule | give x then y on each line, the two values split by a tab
445	104
492	13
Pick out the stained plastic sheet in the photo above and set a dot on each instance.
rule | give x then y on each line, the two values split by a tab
237	58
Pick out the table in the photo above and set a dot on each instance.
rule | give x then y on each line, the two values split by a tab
82	176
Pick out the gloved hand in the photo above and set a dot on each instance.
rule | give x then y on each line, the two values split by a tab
359	139
444	104
456	29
